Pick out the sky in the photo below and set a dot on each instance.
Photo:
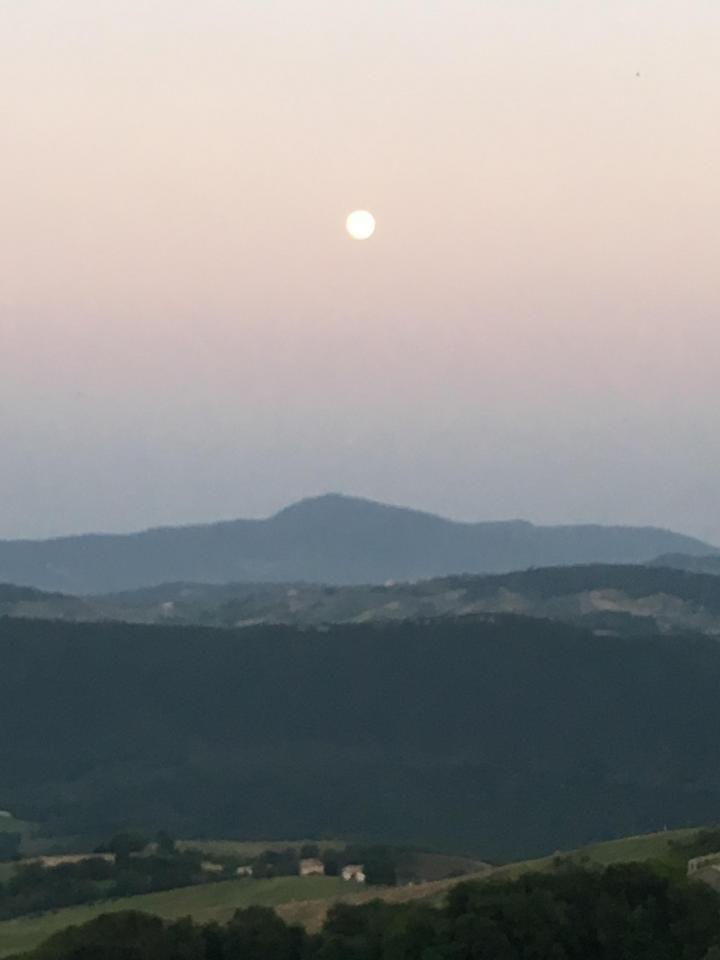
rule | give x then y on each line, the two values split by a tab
187	333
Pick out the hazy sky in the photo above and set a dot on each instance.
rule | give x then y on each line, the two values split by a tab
187	333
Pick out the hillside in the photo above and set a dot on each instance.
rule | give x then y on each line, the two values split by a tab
20	601
212	901
607	598
330	539
307	901
498	737
709	564
610	598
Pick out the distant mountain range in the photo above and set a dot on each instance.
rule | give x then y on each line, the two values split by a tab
330	539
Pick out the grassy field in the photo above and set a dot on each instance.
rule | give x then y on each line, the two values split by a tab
653	846
212	901
307	900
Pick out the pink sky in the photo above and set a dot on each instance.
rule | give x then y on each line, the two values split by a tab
187	333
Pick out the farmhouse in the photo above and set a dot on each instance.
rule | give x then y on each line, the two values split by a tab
311	867
354	872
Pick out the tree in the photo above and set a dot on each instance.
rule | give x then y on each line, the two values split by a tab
128	935
331	860
124	844
380	871
258	933
165	842
10	845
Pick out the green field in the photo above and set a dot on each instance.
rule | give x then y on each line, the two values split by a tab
305	900
212	901
653	846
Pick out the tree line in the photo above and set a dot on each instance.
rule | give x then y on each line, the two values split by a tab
35	887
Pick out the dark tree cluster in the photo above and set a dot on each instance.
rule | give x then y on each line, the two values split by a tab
35	888
10	846
699	844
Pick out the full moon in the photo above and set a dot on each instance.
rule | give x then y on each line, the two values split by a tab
360	224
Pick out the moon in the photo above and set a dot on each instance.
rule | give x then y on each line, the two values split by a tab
360	225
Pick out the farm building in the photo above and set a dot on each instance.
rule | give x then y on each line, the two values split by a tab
312	867
354	872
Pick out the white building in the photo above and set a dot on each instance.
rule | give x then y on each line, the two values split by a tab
354	872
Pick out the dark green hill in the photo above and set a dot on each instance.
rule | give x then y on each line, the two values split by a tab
331	539
12	594
499	737
709	563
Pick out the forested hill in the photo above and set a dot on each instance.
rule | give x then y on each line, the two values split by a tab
500	737
330	539
709	564
625	599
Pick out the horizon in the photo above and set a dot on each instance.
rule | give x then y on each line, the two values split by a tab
189	333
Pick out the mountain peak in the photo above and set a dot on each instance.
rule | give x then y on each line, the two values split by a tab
335	505
332	538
